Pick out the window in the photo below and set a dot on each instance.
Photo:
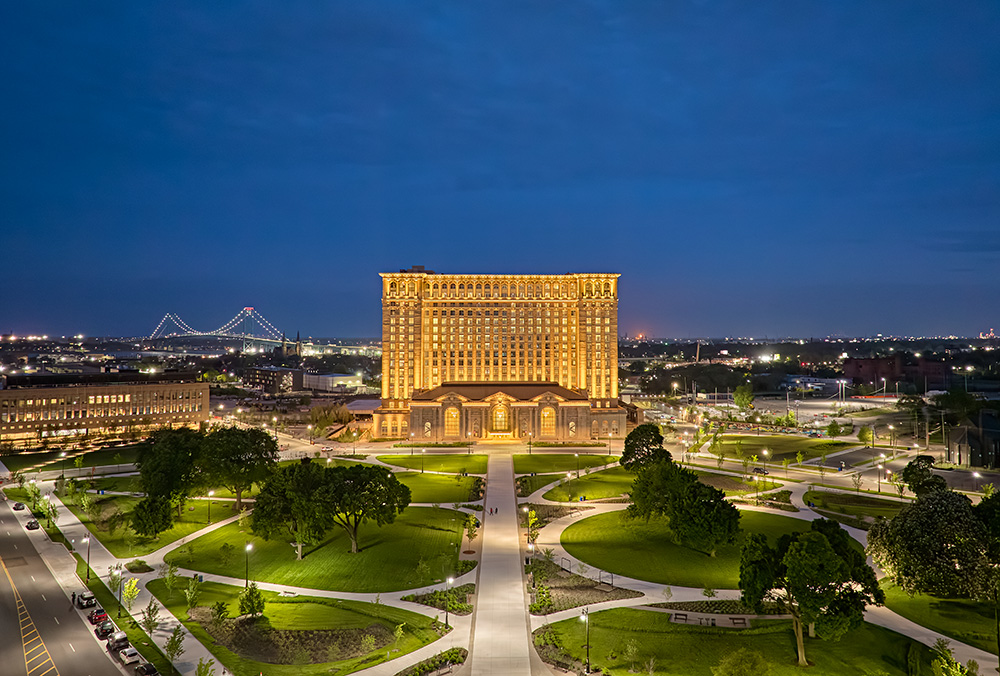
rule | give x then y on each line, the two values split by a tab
548	422
451	420
501	419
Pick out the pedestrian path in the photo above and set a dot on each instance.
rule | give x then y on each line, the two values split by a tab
501	638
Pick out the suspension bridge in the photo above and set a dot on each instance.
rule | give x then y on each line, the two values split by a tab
248	324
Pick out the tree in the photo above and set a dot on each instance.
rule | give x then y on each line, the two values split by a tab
220	613
742	662
945	663
129	593
251	601
897	482
935	545
865	435
174	647
241	457
168	573
957	404
817	577
115	582
192	593
361	493
170	465
743	396
151	516
205	668
857	480
149	618
293	500
471	528
833	429
643	445
919	478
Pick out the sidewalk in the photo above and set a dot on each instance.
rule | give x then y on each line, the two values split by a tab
501	638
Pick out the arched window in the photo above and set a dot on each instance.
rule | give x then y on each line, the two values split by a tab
384	428
413	289
572	428
503	291
496	291
479	290
435	290
588	290
461	290
607	288
548	290
404	427
501	418
451	419
427	429
487	290
395	428
548	422
452	294
392	288
593	430
520	290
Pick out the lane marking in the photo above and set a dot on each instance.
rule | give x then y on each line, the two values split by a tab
37	660
43	597
32	577
56	619
71	647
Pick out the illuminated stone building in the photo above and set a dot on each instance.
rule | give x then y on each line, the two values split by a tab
499	357
41	406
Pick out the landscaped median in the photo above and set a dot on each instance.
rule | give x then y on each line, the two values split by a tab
299	635
560	462
439	462
419	548
625	641
617	481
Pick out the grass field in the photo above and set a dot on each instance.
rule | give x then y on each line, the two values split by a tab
439	462
192	521
329	462
694	651
853	505
780	446
437	487
644	550
611	483
533	483
388	560
963	620
301	613
130	484
104	456
560	462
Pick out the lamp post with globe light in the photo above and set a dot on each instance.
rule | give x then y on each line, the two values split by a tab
246	583
210	494
87	540
585	618
447	603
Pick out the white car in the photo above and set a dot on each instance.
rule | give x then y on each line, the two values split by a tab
128	655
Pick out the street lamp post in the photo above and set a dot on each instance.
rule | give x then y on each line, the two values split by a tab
87	540
63	471
246	583
423	454
610	450
309	431
758	426
585	618
975	483
892	440
210	494
577	465
447	603
880	479
764	453
529	443
469	435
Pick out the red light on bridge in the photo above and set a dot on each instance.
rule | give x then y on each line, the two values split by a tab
248	309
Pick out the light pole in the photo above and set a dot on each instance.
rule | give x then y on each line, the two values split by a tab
246	583
210	494
87	540
423	454
577	465
469	435
975	483
309	431
610	450
764	453
892	440
585	618
63	471
529	443
355	443
758	426
880	479
447	603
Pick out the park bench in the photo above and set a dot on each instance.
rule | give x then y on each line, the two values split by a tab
738	621
681	617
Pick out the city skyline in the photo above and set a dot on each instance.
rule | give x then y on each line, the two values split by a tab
814	171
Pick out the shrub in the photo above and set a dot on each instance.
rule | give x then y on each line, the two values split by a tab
138	566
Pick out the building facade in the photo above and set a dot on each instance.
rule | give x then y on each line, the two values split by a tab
550	342
34	407
274	379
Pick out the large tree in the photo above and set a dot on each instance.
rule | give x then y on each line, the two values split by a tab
293	500
170	464
362	493
699	515
935	545
919	478
820	578
743	396
643	445
151	516
237	458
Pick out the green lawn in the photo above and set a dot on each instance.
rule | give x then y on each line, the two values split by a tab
129	484
329	462
780	446
611	483
193	519
439	462
644	550
438	488
533	483
106	456
853	505
388	560
694	651
302	613
963	620
560	462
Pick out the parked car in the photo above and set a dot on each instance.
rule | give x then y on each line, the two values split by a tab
760	470
128	655
18	506
146	669
105	629
32	525
85	600
97	615
117	641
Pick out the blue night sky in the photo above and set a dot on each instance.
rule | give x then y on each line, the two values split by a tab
750	168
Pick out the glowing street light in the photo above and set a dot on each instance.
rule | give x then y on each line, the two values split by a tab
447	603
246	584
87	540
423	454
210	494
577	465
976	476
880	477
585	618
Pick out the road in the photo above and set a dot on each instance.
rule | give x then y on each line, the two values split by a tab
65	633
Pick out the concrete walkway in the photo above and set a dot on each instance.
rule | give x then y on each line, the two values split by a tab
501	637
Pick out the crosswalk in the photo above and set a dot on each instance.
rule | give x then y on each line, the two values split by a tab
37	660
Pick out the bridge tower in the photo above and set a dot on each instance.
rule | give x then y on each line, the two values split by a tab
248	328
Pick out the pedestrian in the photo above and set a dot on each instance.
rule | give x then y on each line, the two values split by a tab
73	599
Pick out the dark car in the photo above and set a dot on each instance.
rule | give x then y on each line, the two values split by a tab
19	506
97	615
760	470
105	629
117	641
85	600
32	525
146	669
